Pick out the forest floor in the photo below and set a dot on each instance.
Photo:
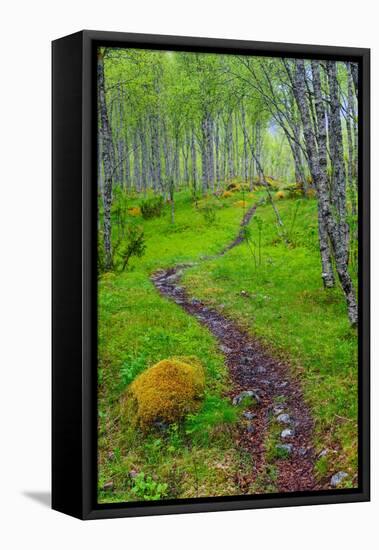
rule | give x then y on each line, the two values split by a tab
278	404
257	317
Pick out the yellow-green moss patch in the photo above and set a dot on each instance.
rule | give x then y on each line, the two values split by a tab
165	392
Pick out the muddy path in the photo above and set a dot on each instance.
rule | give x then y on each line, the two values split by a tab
278	408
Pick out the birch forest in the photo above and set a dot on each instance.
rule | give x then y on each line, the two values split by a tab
227	274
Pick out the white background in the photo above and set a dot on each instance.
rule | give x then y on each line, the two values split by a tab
26	31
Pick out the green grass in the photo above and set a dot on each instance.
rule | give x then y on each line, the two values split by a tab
283	304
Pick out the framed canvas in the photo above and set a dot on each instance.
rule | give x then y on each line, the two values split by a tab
210	274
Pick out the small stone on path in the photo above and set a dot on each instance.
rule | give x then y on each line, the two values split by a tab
247	393
284	418
287	433
324	452
248	415
261	370
287	447
337	478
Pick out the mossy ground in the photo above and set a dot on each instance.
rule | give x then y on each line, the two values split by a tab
165	393
284	305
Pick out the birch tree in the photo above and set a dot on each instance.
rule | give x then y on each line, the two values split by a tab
335	227
108	158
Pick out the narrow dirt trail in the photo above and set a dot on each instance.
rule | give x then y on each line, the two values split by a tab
279	401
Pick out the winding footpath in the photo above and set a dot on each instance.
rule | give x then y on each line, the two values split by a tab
279	405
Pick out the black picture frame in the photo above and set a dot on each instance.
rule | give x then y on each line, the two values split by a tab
74	332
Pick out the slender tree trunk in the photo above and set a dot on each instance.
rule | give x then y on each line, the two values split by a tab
318	168
354	74
257	147
137	161
171	187
299	168
297	162
352	131
155	152
267	189
245	153
217	153
100	164
204	153
120	140
185	164
108	161
339	192
144	157
350	159
317	158
186	152
236	147
225	152
193	161
127	159
230	146
210	153
166	151
120	161
176	173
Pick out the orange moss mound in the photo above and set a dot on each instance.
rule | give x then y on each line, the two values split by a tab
311	193
165	392
134	211
245	186
280	195
226	194
273	183
242	204
233	186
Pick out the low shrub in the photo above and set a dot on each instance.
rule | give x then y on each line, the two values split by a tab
233	186
135	245
294	190
100	254
134	211
209	214
310	193
152	208
280	195
146	488
245	186
271	182
165	392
